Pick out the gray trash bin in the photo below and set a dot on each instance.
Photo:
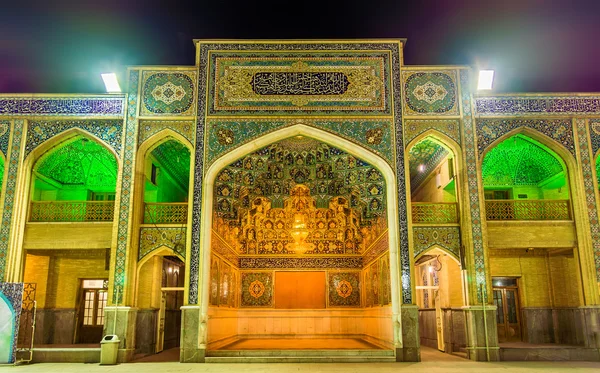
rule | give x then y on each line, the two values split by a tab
109	349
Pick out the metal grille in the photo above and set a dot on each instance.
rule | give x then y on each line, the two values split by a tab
57	211
26	322
527	210
441	212
166	213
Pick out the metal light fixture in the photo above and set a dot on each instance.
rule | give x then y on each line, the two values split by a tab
111	83
486	80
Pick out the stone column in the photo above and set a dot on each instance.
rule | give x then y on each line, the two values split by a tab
193	335
124	329
411	346
482	333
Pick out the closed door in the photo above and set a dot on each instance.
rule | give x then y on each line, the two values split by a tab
92	315
507	316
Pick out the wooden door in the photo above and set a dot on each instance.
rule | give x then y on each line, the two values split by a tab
91	317
506	300
160	330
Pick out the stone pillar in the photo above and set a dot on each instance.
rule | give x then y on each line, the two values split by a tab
124	329
481	333
411	348
193	335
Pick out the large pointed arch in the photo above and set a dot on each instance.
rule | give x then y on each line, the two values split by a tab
205	229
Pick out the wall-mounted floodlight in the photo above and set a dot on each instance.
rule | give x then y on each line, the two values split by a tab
486	80
111	83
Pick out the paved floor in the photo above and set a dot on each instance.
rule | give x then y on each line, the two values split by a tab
433	362
301	344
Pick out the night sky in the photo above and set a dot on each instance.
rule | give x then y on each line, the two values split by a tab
534	45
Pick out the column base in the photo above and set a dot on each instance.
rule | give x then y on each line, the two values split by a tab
481	345
193	344
124	329
411	346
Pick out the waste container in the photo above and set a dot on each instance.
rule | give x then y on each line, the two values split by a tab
109	349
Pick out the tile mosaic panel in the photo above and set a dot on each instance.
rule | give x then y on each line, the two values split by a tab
225	285
594	128
386	286
11	300
63	106
148	128
257	289
430	92
445	237
219	246
152	238
424	157
215	275
538	105
109	131
168	93
4	136
374	280
413	128
488	130
376	249
470	144
300	262
344	289
590	192
224	135
278	82
126	187
11	169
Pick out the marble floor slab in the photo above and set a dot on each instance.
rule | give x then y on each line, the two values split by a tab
301	344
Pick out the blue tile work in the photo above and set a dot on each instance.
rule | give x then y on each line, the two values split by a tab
109	131
11	168
594	127
469	142
538	105
445	237
63	106
590	192
126	186
4	136
12	293
560	130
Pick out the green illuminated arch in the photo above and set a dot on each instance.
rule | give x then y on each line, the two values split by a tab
74	170
520	162
167	173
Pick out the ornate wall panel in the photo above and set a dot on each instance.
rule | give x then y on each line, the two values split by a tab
126	187
430	92
344	289
470	144
4	136
376	249
152	238
11	168
590	193
537	105
11	299
219	246
168	92
300	263
445	237
215	265
224	135
257	289
488	130
110	131
148	128
594	128
413	128
63	106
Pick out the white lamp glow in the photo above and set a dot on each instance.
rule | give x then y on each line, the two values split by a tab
486	79
111	83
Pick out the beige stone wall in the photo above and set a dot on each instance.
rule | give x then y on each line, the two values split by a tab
149	283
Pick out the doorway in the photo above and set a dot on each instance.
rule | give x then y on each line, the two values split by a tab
169	316
506	300
94	294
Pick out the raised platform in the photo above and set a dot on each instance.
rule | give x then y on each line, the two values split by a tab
299	350
76	353
520	351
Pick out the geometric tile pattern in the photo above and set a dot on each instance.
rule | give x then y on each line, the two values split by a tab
560	130
168	93
594	128
148	128
300	263
12	168
152	238
413	128
473	184
430	92
225	135
109	131
344	289
539	105
257	289
63	106
4	136
590	193
12	294
126	187
446	237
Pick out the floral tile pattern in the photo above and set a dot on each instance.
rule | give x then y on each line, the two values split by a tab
430	92
257	289
344	289
168	93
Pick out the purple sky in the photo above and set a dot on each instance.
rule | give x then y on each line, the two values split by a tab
534	45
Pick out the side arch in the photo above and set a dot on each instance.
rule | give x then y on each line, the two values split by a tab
160	251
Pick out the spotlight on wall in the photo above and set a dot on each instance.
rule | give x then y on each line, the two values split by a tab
486	80
111	83
421	168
